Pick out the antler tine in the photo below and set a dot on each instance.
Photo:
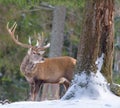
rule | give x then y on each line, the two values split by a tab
40	39
11	31
29	40
37	37
47	45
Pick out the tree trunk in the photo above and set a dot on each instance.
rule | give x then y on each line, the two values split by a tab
107	37
89	40
96	40
97	37
51	91
57	34
117	57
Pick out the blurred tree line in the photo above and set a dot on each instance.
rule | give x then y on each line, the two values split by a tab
33	16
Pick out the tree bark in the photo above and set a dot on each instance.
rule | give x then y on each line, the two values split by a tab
89	40
96	40
97	37
107	37
57	34
51	91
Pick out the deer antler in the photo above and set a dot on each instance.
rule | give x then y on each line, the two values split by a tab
40	40
12	31
38	46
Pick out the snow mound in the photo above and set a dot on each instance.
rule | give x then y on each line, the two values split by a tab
92	85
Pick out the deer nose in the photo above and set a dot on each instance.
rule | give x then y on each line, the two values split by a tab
42	59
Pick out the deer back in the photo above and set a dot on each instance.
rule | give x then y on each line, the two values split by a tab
52	69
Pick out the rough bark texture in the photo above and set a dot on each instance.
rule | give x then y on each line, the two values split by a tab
106	7
89	40
51	91
97	37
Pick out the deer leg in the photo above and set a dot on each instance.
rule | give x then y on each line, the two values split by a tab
64	81
38	84
32	87
35	86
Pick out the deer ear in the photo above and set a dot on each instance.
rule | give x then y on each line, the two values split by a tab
47	46
41	52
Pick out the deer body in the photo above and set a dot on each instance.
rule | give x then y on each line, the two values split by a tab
51	70
38	70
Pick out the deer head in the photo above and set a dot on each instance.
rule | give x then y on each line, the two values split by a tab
36	52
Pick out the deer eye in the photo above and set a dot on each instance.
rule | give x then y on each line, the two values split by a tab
38	54
34	52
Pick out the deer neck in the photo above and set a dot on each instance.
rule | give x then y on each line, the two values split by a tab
27	67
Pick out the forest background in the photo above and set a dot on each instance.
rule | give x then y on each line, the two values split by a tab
33	16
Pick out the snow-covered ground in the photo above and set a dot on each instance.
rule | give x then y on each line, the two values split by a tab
110	102
87	92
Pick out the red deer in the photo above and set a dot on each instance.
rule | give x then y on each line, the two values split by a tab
38	70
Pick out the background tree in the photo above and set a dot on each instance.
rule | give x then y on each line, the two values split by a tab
51	91
116	73
117	56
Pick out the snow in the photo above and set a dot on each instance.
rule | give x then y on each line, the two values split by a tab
83	103
87	92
